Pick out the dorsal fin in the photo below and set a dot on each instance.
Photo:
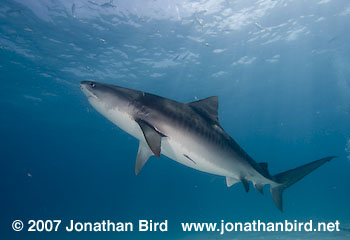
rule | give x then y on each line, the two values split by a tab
207	107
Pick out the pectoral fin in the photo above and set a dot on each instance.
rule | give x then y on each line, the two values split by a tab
143	154
152	136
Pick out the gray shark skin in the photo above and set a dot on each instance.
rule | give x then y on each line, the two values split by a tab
188	133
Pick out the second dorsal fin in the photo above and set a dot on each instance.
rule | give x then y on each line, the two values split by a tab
264	168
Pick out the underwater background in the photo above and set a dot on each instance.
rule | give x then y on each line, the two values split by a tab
281	69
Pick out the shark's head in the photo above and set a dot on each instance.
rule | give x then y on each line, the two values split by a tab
119	105
105	97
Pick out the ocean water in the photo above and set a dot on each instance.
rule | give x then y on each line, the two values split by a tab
281	69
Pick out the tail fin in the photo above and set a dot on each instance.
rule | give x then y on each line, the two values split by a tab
288	178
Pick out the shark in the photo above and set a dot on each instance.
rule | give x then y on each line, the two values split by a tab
190	134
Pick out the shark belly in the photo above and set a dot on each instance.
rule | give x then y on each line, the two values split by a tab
189	152
174	150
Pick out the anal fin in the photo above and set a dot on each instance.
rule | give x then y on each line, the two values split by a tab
245	184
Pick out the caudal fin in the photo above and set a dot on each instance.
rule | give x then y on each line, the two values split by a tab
288	178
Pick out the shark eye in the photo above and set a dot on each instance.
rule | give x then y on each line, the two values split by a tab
92	85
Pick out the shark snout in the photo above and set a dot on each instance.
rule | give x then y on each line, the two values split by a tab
87	84
88	88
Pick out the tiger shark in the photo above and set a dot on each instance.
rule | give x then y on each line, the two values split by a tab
190	134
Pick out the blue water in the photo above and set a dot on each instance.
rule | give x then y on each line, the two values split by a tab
281	70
